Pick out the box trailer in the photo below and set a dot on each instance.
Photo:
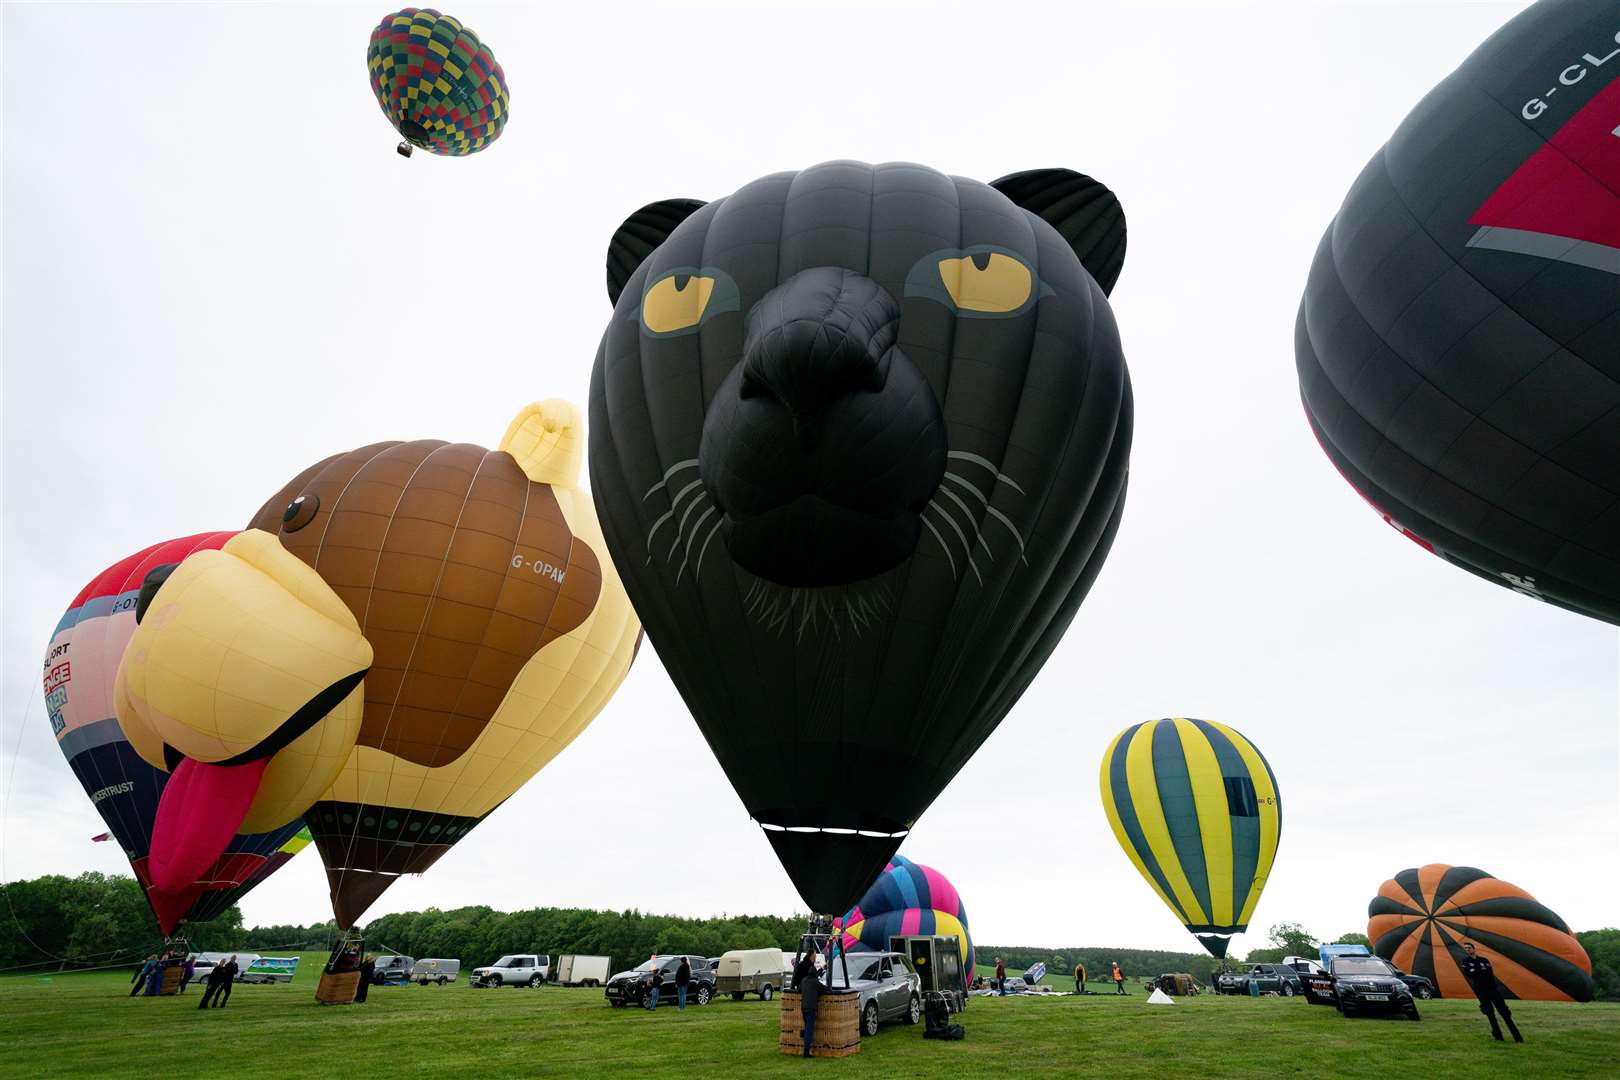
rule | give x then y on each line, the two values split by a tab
750	971
578	970
270	969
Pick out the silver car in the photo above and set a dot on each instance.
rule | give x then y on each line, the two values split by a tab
889	989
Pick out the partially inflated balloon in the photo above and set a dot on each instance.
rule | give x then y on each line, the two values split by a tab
500	630
1195	806
1421	918
437	83
908	898
81	667
1458	345
859	439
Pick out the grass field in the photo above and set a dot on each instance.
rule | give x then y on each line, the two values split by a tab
84	1025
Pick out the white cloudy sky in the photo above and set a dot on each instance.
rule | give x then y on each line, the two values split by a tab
217	271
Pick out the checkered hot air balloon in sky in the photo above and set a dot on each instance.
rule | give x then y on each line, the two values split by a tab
437	83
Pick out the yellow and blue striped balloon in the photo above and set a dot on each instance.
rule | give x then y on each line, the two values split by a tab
1195	806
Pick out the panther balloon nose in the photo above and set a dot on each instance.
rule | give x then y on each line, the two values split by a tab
825	442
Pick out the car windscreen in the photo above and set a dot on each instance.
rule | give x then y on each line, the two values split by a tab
1360	966
650	965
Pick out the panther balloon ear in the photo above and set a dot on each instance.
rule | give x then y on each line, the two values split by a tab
641	232
1084	212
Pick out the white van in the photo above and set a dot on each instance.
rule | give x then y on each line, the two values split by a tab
583	970
435	971
750	971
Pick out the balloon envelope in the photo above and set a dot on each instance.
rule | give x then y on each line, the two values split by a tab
436	82
859	438
1196	807
908	898
1422	916
1458	344
499	631
80	669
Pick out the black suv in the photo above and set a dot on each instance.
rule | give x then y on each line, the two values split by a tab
631	987
1363	984
1271	978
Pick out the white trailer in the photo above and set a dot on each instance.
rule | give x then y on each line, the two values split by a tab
578	970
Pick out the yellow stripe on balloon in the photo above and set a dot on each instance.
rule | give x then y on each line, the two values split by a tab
1112	810
1266	797
1144	789
1214	818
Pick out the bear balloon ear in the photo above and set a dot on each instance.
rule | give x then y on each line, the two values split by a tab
640	234
1084	212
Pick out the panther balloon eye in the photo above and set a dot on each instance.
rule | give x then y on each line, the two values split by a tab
683	299
300	512
978	281
990	282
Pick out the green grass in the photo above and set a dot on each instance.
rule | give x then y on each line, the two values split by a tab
84	1025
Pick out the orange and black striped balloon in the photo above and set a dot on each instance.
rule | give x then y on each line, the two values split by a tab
1421	917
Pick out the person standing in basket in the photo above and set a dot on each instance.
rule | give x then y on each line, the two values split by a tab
808	985
683	975
1482	979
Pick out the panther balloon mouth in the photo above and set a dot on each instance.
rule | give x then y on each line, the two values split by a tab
811	542
205	802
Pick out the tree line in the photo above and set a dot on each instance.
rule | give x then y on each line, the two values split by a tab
99	920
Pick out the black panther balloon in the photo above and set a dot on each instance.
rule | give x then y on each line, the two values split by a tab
859	440
1459	341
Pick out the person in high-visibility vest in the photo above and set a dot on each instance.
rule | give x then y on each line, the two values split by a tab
1079	978
1119	979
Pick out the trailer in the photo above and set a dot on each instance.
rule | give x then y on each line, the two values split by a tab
270	969
578	970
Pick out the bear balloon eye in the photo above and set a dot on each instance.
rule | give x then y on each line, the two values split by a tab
300	512
978	281
684	298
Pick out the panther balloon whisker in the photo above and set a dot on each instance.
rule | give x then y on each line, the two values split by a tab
963	455
697	525
671	471
967	549
967	512
943	546
993	512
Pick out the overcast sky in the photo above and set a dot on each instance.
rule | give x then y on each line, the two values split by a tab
217	271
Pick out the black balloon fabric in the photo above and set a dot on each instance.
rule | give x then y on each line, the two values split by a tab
1458	344
859	441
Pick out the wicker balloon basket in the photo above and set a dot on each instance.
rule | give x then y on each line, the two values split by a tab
337	988
171	980
838	1025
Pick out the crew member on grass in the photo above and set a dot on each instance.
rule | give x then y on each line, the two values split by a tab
683	975
137	985
1079	978
1477	970
656	983
1119	979
809	988
1001	977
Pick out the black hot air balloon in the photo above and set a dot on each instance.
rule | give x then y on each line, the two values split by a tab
859	441
1459	341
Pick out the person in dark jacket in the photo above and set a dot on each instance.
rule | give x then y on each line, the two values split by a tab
683	975
188	971
154	977
211	987
1482	979
227	978
368	970
1001	977
142	973
1080	978
808	985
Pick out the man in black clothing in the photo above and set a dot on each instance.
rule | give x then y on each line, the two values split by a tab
808	984
368	971
227	973
211	988
683	976
1477	970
